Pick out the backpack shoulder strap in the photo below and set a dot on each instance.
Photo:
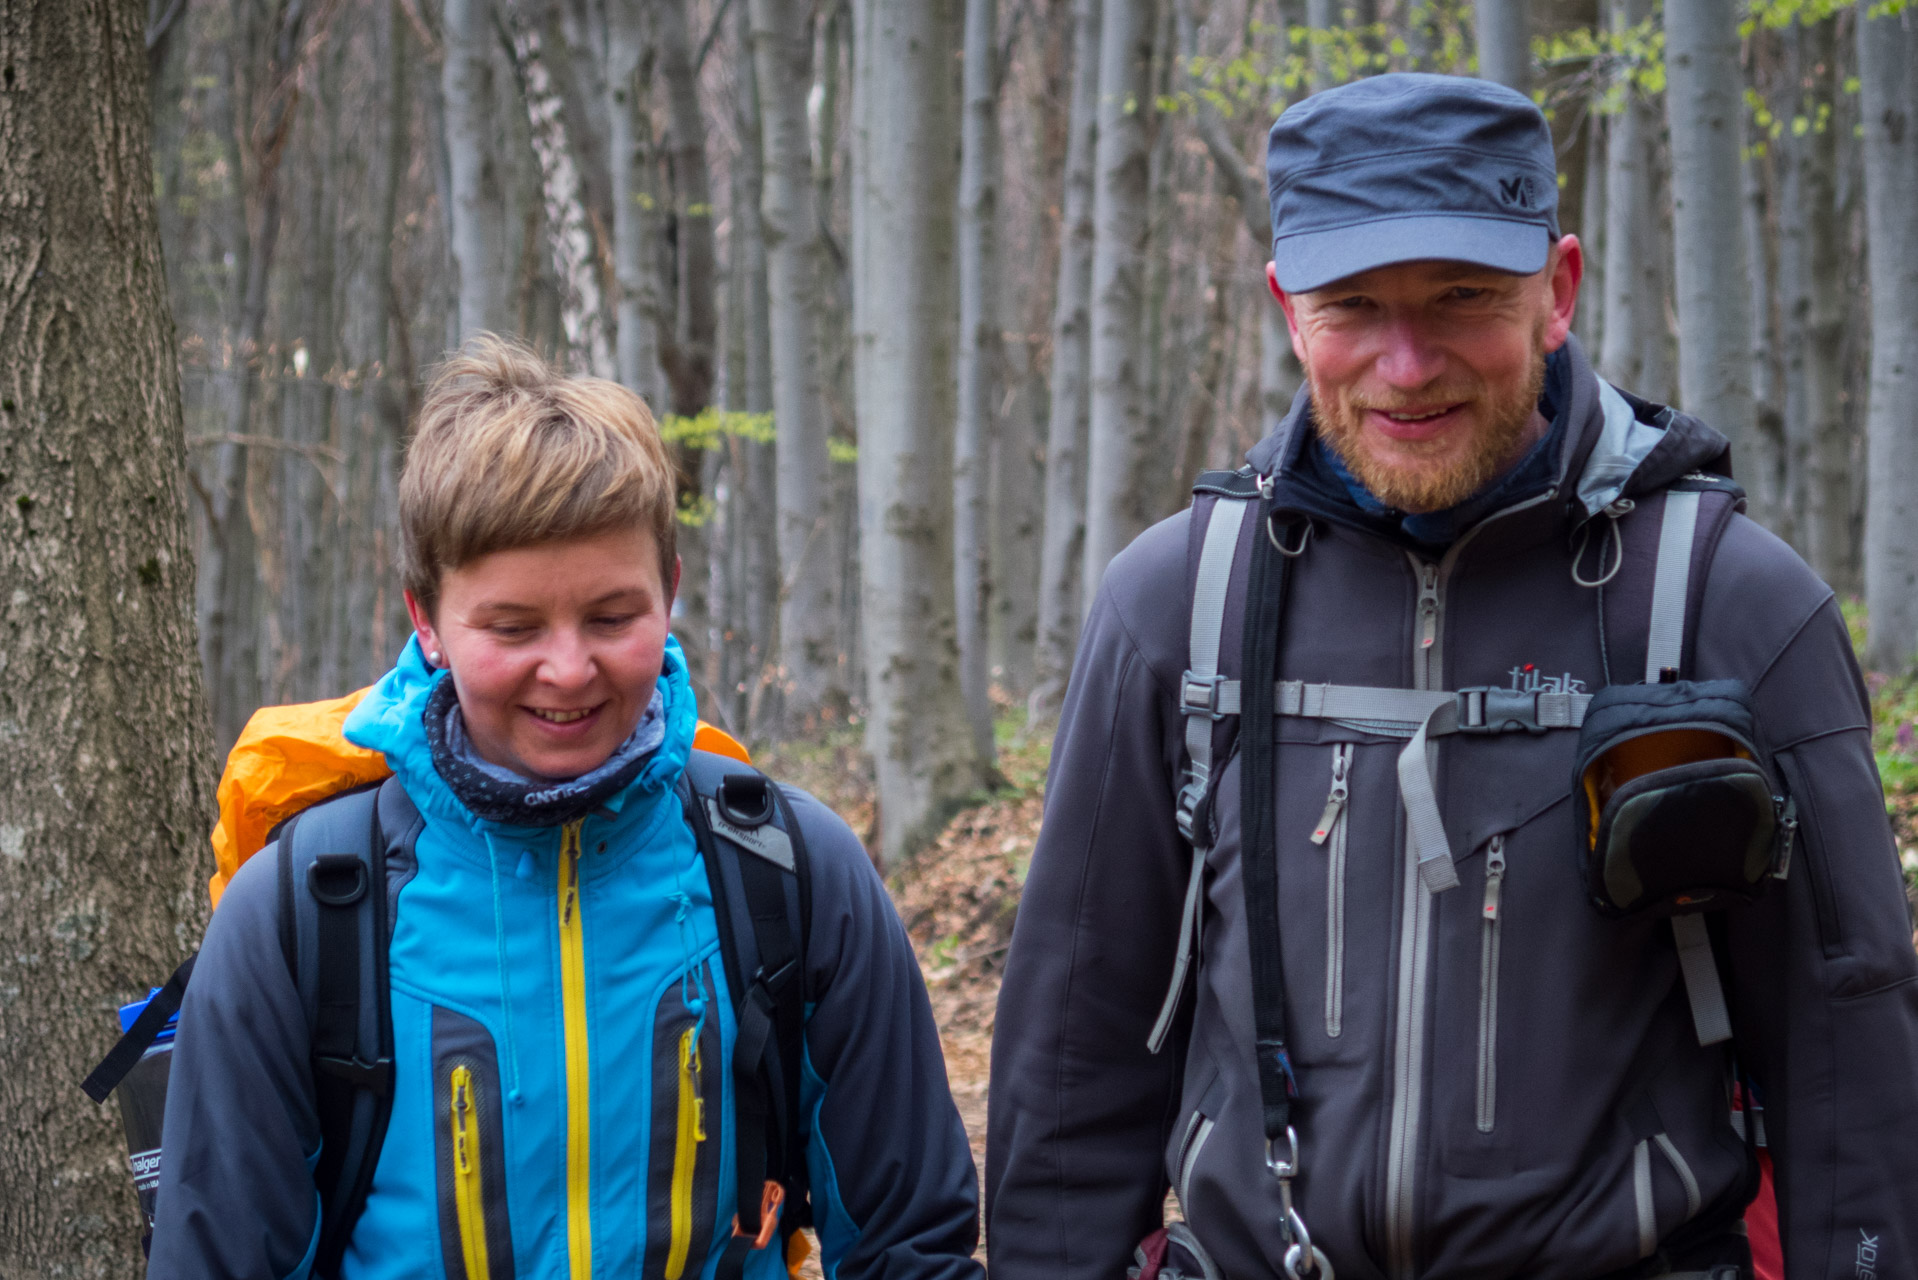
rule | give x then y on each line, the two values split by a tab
755	857
336	924
1221	500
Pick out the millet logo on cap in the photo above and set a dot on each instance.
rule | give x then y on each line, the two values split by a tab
1518	191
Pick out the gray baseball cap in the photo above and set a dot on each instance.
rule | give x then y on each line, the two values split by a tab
1406	167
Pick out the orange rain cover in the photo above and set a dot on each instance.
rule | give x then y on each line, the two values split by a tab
290	758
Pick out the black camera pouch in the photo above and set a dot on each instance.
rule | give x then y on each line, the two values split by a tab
1676	810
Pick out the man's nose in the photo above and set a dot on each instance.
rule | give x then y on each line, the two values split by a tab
1409	358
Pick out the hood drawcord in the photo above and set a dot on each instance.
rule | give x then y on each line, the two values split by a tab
499	959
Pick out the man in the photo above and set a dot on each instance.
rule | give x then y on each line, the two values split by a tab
1484	1076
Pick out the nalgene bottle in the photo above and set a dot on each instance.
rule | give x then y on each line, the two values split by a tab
142	1104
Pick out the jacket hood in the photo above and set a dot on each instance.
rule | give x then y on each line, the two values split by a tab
391	720
1616	445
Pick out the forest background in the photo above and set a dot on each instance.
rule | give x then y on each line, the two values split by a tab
940	303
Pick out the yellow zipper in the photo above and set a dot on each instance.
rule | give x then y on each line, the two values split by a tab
692	1132
468	1204
579	1126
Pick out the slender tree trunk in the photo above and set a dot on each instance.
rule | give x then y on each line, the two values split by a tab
104	802
1631	307
1761	351
1063	540
1119	462
562	191
1704	104
635	224
1504	42
477	212
1888	73
981	366
688	354
811	677
1590	323
905	179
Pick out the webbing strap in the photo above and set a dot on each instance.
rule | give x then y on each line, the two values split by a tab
1424	826
1665	651
1198	703
106	1077
1665	642
1475	710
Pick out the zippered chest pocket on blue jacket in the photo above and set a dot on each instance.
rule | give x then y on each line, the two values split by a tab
469	1138
682	1165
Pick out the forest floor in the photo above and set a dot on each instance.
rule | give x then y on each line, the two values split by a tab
959	897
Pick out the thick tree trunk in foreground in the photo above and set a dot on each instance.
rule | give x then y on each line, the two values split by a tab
105	790
1704	104
1888	72
782	59
981	364
905	178
1062	543
1119	488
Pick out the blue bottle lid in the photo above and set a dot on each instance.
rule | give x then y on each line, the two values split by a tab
129	1012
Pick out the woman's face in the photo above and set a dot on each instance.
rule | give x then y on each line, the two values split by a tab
554	649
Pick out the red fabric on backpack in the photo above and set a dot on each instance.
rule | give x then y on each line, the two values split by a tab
1761	1220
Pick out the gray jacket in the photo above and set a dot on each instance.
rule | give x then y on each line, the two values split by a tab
1528	1104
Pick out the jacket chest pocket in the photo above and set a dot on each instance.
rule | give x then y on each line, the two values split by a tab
682	1167
469	1138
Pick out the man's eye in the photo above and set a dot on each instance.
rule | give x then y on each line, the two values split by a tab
1469	293
1353	303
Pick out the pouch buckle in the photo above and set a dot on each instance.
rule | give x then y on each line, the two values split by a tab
1199	696
1488	710
770	1198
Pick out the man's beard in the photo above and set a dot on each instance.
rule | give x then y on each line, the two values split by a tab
1432	483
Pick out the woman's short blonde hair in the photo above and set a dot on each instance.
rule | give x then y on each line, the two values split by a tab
511	452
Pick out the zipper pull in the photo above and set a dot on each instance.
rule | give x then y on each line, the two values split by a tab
1494	875
1335	802
462	1160
1428	606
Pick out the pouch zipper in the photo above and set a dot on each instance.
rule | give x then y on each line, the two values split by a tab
1332	828
469	1202
579	1125
690	1133
1488	984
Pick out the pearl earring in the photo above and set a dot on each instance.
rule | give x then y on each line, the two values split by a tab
433	657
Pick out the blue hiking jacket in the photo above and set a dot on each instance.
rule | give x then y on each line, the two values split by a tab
562	1037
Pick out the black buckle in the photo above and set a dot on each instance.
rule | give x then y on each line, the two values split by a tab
745	799
376	1075
772	983
1490	710
1200	697
323	879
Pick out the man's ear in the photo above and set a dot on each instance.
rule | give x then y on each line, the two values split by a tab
1567	268
1286	304
423	626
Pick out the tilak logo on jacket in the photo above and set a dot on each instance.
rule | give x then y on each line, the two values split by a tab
1867	1256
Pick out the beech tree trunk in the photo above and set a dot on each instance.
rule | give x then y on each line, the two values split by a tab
1119	484
478	209
1634	303
1062	542
782	58
635	204
1704	105
1590	322
1504	42
905	179
981	365
105	786
1888	75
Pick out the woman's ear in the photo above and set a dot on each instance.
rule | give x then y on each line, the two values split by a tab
423	627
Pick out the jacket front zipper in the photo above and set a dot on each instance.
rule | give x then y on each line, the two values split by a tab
1332	828
690	1132
579	1127
1488	984
469	1202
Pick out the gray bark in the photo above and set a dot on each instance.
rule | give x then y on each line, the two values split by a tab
810	674
1119	488
1888	72
1633	305
1063	539
1768	416
1590	324
687	352
905	179
981	367
1505	42
472	102
1704	104
105	789
635	223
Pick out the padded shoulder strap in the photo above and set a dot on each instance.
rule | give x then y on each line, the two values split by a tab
755	859
333	885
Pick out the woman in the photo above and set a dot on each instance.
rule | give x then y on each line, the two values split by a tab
555	912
